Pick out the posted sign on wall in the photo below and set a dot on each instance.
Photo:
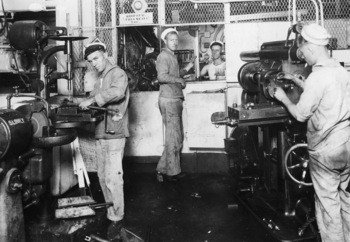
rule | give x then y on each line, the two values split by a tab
135	18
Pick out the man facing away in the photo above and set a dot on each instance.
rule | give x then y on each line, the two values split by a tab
216	69
325	105
171	105
110	91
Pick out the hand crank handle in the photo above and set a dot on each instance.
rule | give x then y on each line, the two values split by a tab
103	109
107	131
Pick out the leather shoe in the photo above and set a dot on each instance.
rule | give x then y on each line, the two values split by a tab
162	177
176	178
113	231
181	175
171	178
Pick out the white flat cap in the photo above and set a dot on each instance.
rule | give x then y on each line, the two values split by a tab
315	34
217	42
167	31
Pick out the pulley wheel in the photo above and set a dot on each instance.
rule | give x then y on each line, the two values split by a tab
248	76
39	120
13	181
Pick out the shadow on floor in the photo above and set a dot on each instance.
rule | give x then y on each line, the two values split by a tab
201	207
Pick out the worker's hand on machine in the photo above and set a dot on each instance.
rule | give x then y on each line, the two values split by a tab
285	75
279	94
297	79
84	104
77	100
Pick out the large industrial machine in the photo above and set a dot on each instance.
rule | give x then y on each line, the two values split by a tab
35	131
267	147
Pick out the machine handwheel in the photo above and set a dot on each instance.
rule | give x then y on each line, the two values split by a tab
296	163
13	181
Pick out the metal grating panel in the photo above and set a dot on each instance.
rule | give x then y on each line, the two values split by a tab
336	15
272	10
307	10
259	11
125	6
186	12
104	11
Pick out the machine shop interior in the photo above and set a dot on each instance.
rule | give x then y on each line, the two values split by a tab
245	157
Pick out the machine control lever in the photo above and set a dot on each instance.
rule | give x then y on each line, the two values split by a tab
219	118
106	110
24	158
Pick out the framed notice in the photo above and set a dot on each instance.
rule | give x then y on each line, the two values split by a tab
135	18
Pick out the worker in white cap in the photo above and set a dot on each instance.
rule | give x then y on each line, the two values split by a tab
217	68
325	105
171	105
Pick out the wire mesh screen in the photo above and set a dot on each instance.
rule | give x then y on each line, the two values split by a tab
186	12
106	12
270	11
336	14
105	34
336	19
103	13
126	6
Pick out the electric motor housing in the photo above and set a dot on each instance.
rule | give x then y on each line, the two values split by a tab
28	35
15	132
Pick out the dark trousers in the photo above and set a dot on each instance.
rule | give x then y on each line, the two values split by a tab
171	110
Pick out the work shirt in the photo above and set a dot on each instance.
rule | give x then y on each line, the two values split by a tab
325	103
216	70
169	75
111	91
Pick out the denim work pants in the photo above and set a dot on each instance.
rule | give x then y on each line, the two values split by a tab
110	173
171	110
330	173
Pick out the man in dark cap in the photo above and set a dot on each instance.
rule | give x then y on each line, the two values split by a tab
325	105
110	91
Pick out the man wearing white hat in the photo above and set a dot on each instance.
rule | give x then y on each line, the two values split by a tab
171	105
216	69
325	105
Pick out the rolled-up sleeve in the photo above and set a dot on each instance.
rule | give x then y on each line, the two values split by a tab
164	66
116	90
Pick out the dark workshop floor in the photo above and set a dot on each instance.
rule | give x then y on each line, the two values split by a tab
199	208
